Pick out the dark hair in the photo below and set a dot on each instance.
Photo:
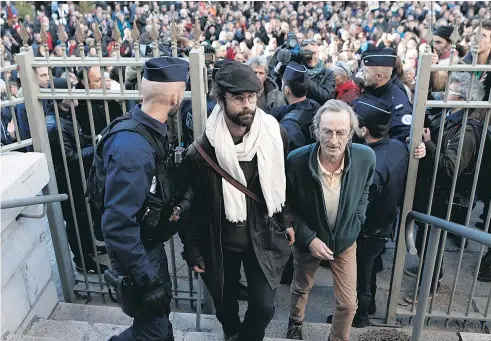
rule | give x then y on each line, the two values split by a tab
298	90
376	130
486	24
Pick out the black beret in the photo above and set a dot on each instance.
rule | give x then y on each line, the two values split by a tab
236	77
295	73
372	110
166	70
380	57
444	31
217	66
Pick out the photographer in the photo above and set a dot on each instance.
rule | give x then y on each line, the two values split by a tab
322	80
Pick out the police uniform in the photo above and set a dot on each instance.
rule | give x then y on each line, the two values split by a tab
129	166
392	157
400	106
297	118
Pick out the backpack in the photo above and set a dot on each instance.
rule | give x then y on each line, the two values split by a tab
303	119
157	204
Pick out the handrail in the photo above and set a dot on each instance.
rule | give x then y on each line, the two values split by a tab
437	225
36	200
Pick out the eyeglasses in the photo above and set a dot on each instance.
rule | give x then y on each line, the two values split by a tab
239	99
309	42
340	135
454	93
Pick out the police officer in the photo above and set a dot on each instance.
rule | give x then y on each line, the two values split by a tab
386	191
133	169
297	116
377	71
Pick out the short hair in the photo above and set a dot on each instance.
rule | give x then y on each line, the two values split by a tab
486	24
464	78
260	61
334	105
376	130
298	90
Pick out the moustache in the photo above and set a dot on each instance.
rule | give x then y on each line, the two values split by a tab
246	112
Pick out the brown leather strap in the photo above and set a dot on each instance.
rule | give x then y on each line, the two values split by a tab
225	175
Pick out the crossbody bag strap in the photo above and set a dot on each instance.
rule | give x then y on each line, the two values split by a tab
225	175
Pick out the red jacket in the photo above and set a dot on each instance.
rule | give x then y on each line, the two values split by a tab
347	92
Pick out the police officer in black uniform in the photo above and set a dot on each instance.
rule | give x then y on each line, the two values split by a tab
297	116
377	71
130	182
385	194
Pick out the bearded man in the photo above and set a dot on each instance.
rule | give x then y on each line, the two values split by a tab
235	189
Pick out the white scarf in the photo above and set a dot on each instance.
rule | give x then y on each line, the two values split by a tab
264	140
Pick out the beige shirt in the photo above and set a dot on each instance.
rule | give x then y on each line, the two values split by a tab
331	188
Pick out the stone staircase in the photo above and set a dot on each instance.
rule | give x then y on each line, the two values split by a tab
79	322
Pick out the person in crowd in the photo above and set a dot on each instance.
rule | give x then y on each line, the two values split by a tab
227	225
447	164
384	199
328	185
270	97
133	151
442	44
377	72
346	89
83	259
98	107
322	80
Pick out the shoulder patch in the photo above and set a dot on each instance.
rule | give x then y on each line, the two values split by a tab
407	119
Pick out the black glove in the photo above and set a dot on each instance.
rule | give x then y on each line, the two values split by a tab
155	298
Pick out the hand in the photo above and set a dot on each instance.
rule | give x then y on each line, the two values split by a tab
420	151
434	58
290	233
426	135
319	249
197	269
11	129
176	214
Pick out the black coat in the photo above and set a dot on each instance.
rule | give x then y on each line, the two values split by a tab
322	86
202	228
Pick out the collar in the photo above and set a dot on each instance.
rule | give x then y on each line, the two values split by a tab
383	141
306	104
346	86
149	121
456	117
446	55
380	91
325	171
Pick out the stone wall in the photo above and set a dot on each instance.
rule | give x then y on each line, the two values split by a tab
28	289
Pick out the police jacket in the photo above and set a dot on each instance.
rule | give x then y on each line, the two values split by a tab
447	162
387	189
297	122
401	108
306	198
322	86
129	165
201	231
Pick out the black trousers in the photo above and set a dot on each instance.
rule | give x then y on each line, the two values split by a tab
260	308
368	253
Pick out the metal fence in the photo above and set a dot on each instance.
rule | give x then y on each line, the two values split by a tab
405	237
34	95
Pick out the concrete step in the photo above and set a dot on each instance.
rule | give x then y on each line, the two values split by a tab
474	337
18	337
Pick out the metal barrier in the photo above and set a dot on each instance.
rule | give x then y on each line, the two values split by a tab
439	224
33	96
421	104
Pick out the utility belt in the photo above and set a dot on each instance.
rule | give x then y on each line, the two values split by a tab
128	296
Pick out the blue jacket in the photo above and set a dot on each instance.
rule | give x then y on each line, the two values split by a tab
306	199
387	189
129	163
401	108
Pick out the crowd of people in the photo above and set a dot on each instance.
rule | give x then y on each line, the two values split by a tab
319	92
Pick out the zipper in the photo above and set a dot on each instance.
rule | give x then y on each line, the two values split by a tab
146	213
325	213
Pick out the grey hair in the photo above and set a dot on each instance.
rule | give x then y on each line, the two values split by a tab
259	61
464	78
336	106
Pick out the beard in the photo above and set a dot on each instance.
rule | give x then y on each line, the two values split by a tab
174	110
332	152
243	118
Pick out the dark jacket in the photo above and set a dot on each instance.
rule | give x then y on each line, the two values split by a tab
387	189
322	86
401	108
297	122
447	162
201	233
98	113
305	196
274	96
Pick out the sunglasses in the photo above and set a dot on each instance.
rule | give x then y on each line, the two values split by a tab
309	42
